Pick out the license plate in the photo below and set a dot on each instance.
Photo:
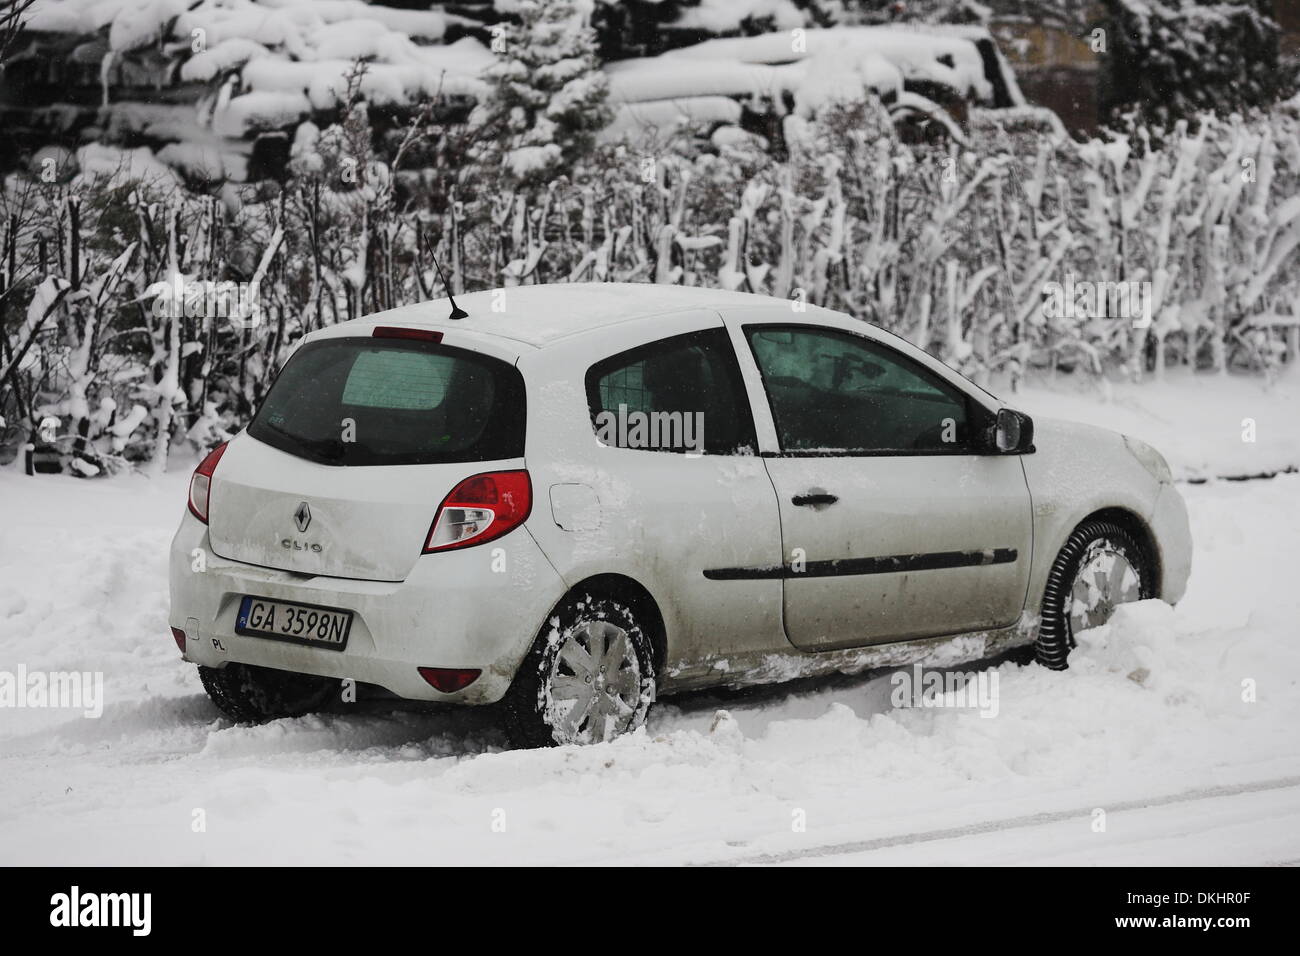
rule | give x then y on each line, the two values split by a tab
290	621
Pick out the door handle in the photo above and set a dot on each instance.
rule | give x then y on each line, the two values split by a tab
815	498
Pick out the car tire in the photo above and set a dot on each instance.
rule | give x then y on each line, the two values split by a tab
561	695
1087	580
253	695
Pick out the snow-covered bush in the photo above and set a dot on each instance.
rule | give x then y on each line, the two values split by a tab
954	246
1172	59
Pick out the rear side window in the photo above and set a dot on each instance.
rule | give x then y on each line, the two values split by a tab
361	401
682	394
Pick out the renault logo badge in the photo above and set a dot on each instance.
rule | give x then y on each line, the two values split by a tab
302	517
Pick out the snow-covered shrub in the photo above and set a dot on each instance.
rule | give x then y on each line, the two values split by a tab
112	351
952	245
1172	59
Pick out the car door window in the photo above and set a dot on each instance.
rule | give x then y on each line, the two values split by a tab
833	392
682	394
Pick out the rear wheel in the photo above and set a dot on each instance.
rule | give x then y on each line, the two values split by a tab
1101	566
588	678
253	695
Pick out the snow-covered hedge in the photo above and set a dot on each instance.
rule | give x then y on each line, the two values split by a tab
218	88
1174	58
116	341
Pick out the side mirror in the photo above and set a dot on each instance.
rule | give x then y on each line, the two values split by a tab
1013	433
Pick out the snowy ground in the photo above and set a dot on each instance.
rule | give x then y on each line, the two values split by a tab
1185	770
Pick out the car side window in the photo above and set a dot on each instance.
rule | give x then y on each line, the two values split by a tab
681	394
833	392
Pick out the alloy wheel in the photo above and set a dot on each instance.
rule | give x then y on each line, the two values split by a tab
595	684
1106	578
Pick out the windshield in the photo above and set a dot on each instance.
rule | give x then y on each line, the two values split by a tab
363	401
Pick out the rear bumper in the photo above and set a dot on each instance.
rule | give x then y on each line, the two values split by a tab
471	608
1173	536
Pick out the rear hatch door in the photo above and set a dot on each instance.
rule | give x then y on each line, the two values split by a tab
359	440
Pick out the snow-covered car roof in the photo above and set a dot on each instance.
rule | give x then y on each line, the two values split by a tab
539	314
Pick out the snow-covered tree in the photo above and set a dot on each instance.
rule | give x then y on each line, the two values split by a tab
547	95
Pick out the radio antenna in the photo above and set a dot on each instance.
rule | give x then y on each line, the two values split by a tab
456	311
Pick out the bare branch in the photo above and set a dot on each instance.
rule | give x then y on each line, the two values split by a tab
11	24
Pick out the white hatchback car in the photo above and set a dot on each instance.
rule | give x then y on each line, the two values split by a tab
579	497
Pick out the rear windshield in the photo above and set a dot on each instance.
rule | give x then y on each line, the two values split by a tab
360	401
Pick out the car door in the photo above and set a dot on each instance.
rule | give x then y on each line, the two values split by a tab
646	452
895	523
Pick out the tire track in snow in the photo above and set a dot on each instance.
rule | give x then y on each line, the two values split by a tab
994	826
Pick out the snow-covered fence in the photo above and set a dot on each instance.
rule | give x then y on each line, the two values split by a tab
958	248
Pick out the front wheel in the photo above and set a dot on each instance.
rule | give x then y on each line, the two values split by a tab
589	677
1102	565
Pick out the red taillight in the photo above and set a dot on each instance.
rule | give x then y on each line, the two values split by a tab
480	509
201	483
449	679
179	637
397	332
